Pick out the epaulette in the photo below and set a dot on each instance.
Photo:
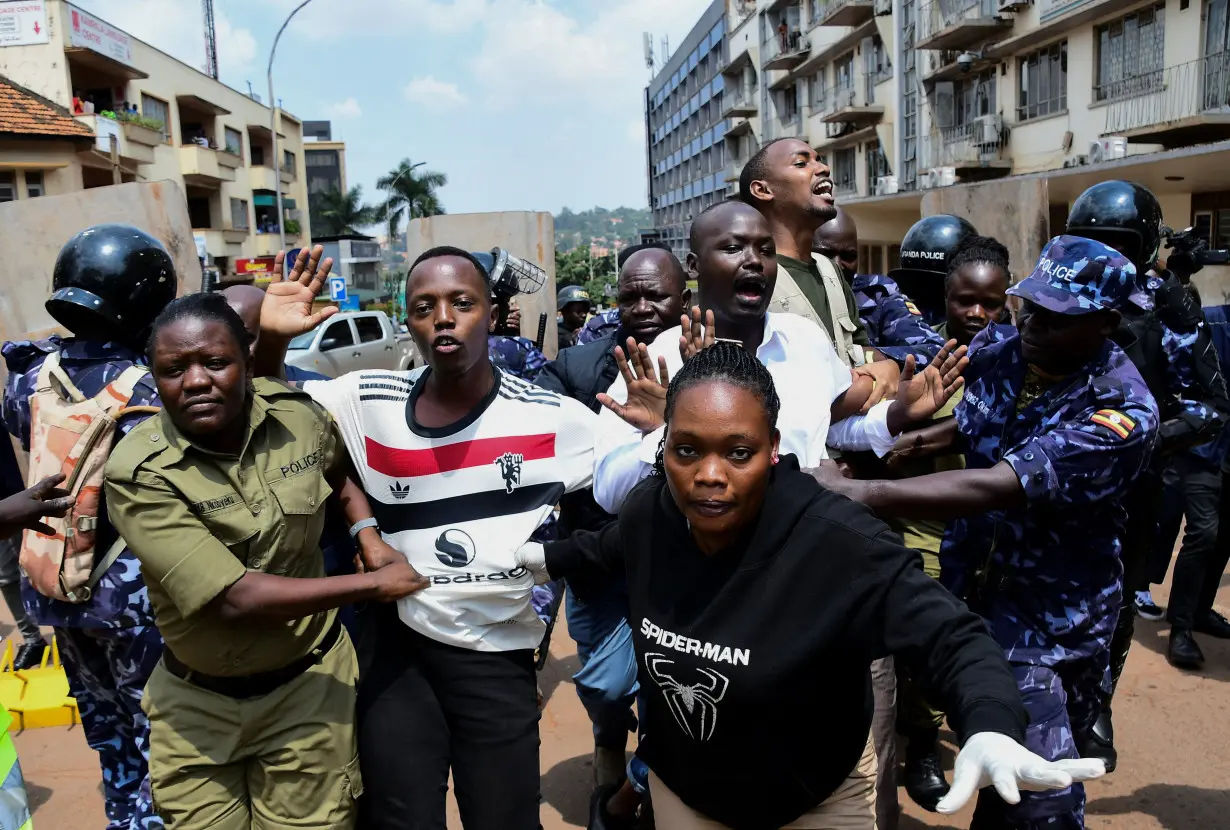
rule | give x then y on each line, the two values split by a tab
144	442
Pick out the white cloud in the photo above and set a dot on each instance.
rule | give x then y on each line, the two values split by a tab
236	47
358	18
429	92
347	110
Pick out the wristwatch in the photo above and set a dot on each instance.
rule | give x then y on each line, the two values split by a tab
362	524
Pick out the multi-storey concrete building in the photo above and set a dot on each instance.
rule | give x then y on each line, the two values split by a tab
907	97
152	118
685	129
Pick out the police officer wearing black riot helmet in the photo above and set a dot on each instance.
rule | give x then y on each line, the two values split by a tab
1163	333
572	303
110	282
926	250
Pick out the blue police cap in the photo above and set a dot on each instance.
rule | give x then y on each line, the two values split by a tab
1076	275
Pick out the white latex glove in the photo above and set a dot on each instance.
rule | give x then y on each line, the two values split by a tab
533	558
992	758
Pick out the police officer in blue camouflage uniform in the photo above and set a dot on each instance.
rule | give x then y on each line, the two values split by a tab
602	324
1056	423
1162	331
895	324
508	350
109	284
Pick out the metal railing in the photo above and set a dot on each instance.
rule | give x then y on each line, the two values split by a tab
938	15
841	97
739	95
845	172
794	43
740	11
1169	95
978	141
822	9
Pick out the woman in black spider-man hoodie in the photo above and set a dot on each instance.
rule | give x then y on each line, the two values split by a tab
759	600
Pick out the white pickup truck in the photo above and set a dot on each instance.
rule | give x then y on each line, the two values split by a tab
350	341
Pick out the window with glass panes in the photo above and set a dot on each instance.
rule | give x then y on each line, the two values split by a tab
159	110
877	161
1042	81
1130	54
908	175
8	186
845	170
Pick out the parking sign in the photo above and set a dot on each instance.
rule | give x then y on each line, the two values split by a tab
337	289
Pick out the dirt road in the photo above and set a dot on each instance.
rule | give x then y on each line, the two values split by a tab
1173	730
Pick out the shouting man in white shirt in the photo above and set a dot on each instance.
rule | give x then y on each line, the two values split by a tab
732	259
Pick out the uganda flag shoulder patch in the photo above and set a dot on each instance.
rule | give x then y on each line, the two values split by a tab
1115	421
913	309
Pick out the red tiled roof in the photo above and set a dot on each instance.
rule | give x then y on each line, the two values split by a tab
25	113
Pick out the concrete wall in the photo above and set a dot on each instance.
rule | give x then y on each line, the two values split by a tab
32	232
1014	212
58	161
526	234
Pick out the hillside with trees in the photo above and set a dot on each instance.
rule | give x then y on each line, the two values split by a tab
599	227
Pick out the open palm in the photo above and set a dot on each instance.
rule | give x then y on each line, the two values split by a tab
288	307
920	395
645	408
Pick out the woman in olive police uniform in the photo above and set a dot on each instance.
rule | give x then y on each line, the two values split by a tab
222	499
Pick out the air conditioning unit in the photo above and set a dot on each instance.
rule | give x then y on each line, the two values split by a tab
944	176
928	180
885	185
1107	149
986	129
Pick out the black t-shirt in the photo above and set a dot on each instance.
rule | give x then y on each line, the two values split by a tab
755	661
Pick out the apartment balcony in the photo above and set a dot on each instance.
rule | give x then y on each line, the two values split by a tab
786	126
287	174
1177	106
223	242
740	101
843	12
844	105
740	126
942	65
261	177
784	52
980	144
201	166
130	152
1054	18
844	134
959	24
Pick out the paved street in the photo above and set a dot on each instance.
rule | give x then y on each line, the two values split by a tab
1173	729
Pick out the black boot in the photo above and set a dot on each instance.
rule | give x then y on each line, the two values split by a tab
1213	624
1099	742
29	656
600	818
924	775
1183	652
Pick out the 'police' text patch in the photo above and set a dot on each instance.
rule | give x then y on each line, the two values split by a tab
1116	422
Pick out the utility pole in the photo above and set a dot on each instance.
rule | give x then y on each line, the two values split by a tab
273	128
116	178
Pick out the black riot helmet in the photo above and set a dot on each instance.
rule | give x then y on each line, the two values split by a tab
925	252
110	282
1123	215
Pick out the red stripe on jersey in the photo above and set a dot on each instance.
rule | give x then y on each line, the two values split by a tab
397	463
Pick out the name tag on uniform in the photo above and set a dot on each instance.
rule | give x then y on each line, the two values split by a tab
215	504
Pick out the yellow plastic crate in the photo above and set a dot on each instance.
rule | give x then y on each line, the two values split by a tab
37	697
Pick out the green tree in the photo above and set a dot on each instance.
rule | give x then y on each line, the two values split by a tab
410	193
571	267
338	213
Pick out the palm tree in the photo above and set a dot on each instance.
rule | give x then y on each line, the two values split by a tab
410	193
340	213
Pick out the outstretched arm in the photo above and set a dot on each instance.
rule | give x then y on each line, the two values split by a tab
947	495
287	311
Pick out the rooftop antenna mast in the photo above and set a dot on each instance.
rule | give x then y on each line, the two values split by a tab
211	40
649	58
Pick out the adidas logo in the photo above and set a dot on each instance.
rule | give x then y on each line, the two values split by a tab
399	491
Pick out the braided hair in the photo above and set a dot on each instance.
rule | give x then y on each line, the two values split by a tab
210	307
978	249
725	362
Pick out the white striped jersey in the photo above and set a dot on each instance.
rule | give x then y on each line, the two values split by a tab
459	500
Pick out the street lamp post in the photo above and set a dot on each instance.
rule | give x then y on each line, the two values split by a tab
273	128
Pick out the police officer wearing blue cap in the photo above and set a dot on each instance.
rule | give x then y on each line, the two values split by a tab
1055	423
1162	331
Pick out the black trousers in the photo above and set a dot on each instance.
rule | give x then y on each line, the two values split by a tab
1206	545
1143	502
426	707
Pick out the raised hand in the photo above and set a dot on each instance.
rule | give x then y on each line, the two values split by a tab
287	310
646	406
24	510
694	337
921	395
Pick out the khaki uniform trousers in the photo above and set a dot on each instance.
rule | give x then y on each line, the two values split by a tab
850	807
288	759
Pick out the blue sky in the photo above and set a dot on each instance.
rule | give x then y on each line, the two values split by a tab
524	104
